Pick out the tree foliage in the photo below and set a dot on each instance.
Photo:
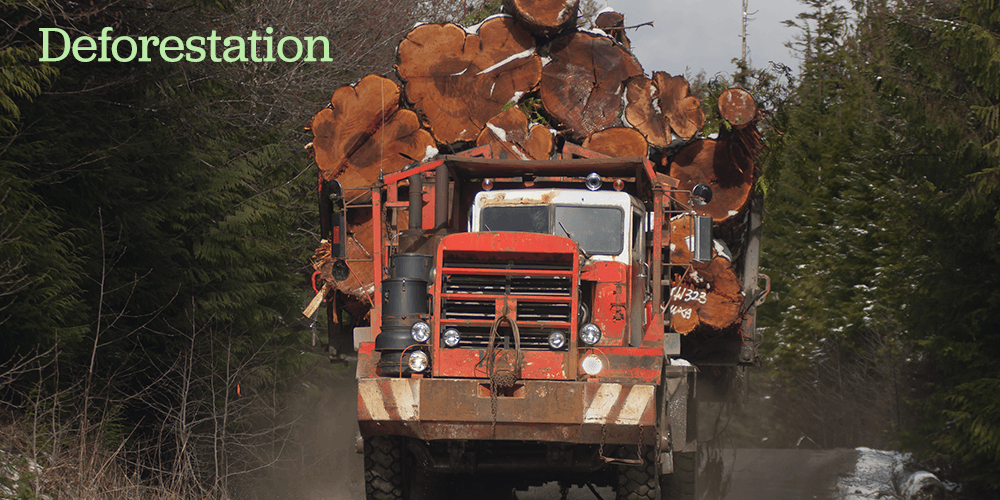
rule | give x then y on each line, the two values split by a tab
882	230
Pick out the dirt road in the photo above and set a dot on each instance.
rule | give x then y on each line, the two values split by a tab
319	461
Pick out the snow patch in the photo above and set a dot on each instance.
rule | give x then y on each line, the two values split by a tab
872	476
722	250
430	152
606	9
460	73
513	57
497	131
595	31
546	60
732	213
474	29
679	362
516	97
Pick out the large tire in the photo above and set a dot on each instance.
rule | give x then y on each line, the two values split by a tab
639	482
385	471
681	484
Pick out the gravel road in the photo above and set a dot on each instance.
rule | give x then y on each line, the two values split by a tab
319	461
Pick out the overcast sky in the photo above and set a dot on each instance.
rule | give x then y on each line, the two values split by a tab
693	35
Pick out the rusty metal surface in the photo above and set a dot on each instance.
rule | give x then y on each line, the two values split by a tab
573	412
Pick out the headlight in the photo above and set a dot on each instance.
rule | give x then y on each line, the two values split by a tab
418	361
590	334
557	340
420	331
592	365
451	337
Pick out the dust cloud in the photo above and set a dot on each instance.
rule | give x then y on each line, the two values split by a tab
317	461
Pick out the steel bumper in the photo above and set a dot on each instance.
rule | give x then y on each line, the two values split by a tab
537	410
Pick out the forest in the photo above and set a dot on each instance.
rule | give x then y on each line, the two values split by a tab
156	223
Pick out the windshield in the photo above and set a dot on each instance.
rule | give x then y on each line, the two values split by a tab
598	230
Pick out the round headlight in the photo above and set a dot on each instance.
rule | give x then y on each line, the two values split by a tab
557	340
418	361
593	181
592	365
420	331
590	334
451	337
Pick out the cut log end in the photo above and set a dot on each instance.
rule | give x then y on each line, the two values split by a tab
618	142
581	88
545	18
737	107
512	133
458	81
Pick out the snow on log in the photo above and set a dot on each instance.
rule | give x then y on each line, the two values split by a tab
582	86
545	18
724	167
911	483
618	142
364	132
511	132
457	80
613	23
737	107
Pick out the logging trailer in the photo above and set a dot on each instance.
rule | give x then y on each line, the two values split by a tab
521	324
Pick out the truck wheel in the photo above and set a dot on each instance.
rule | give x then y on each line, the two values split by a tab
385	472
681	484
639	482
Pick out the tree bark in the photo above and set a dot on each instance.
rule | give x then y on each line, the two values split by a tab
582	86
545	18
511	132
457	81
364	133
617	142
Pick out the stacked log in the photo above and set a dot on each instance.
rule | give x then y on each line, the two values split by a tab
464	87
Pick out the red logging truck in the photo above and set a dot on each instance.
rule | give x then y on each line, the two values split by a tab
523	329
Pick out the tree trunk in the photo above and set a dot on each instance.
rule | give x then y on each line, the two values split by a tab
545	18
582	86
364	133
457	81
511	133
617	142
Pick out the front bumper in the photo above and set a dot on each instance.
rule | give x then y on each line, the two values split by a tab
581	412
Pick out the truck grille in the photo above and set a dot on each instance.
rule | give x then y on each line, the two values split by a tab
470	291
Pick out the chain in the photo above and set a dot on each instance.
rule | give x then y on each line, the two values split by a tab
626	461
501	377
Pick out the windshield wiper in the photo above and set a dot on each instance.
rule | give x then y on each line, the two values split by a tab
582	251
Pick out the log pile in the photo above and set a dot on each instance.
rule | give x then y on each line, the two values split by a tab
461	87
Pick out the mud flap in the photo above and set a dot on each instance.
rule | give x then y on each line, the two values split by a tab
678	401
